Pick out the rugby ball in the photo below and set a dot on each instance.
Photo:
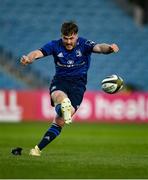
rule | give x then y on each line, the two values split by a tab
112	84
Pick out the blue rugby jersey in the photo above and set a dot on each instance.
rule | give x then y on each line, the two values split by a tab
70	63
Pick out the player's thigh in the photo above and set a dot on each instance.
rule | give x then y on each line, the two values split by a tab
57	91
76	96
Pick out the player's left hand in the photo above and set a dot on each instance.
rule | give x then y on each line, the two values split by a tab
114	48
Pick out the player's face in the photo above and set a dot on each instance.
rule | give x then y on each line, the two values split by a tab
70	41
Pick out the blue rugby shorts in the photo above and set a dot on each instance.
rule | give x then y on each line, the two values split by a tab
74	87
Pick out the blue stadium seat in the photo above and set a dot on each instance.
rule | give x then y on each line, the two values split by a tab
27	25
9	82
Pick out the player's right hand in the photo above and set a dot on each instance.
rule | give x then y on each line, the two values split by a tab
114	48
25	60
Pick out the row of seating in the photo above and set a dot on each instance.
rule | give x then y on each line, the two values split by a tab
7	81
27	25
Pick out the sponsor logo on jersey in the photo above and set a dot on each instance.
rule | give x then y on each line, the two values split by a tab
70	62
60	54
71	65
78	53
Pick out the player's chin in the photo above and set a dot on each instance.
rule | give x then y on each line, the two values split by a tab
69	47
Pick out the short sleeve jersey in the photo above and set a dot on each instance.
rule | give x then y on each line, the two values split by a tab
70	63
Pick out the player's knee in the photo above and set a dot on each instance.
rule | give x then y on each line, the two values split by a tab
58	96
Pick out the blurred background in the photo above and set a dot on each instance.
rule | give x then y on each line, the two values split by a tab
27	25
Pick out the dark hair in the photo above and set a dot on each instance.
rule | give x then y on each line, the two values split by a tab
69	28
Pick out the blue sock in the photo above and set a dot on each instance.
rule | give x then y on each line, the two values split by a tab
58	110
50	135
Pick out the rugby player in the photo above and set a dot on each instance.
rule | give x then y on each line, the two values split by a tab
72	57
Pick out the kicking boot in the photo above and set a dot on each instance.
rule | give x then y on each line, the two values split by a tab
66	110
35	152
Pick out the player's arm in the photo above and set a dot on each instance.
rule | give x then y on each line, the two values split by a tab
33	55
105	48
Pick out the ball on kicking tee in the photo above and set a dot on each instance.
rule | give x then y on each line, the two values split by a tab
112	84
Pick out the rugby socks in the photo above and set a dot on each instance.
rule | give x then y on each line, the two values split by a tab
50	135
58	110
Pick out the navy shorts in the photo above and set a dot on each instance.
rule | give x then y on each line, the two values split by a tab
74	87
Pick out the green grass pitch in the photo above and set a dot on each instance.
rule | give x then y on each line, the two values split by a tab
82	151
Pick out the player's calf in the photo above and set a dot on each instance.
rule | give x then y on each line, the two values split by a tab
48	137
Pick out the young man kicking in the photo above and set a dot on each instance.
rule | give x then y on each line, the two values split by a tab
72	60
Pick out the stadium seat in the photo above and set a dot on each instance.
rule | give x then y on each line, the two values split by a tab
30	24
7	81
